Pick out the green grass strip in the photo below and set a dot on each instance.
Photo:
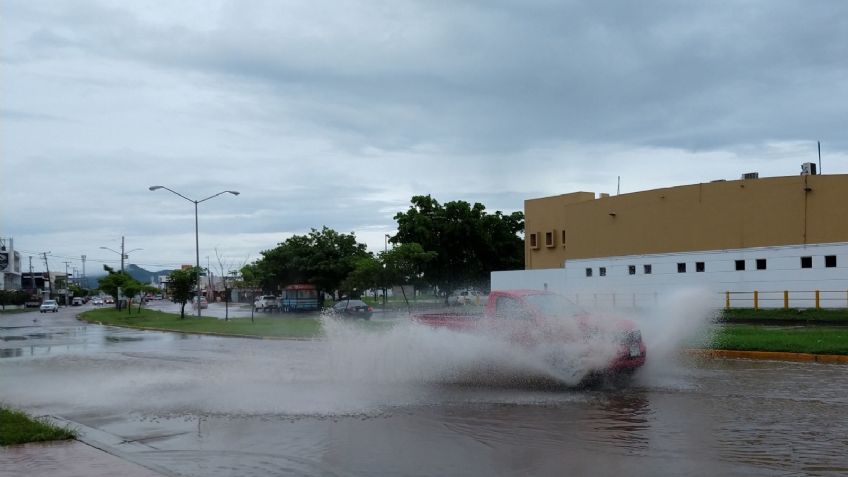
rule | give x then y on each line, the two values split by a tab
289	325
814	339
19	428
749	315
279	326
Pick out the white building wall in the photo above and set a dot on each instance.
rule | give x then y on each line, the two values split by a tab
619	288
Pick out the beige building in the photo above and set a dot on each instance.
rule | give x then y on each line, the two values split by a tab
770	242
721	215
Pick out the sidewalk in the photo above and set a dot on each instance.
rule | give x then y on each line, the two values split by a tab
65	459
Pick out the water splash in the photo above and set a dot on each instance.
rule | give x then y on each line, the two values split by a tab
681	320
414	353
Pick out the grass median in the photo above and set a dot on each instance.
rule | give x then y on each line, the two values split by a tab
795	339
17	427
275	326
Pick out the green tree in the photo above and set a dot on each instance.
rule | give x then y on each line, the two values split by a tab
6	298
323	258
366	274
468	242
405	265
76	290
117	281
181	286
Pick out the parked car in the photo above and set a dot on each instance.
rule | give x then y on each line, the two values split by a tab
467	297
49	305
265	303
97	301
77	301
203	303
346	308
109	300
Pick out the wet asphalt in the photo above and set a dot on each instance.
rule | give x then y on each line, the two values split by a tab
353	404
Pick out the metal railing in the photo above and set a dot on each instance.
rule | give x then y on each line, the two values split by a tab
786	298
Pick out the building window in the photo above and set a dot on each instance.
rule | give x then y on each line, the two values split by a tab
740	265
549	239
588	272
681	268
699	266
534	241
562	236
761	264
830	261
806	262
631	269
602	271
646	269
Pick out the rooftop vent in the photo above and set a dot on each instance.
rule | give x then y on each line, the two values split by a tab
751	175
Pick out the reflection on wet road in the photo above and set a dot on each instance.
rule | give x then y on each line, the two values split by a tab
223	406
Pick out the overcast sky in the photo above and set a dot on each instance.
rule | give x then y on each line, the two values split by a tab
337	112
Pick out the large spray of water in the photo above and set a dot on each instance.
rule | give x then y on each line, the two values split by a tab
353	369
416	353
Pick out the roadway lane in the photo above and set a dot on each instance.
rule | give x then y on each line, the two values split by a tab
412	401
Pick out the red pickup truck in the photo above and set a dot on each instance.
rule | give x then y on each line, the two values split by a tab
599	345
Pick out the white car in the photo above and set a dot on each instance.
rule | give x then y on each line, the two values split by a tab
266	303
97	301
49	305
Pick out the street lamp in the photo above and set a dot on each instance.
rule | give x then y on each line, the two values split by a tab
196	235
122	253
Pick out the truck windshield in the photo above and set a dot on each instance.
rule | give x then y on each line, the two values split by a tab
553	305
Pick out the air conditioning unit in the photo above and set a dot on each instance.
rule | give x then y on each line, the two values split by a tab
751	175
808	169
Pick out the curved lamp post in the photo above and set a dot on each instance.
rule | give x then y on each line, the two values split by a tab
196	236
122	253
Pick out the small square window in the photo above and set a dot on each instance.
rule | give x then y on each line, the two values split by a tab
631	269
534	240
830	261
740	265
646	269
761	264
699	266
602	271
588	272
681	268
549	239
806	262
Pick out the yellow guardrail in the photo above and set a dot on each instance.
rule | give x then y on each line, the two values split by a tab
787	297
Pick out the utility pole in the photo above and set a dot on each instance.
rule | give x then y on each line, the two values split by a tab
47	266
123	255
67	283
31	278
84	278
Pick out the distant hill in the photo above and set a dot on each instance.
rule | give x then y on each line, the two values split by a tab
140	274
145	276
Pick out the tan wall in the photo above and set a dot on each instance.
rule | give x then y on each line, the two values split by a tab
711	216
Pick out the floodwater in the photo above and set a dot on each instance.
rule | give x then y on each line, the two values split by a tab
413	402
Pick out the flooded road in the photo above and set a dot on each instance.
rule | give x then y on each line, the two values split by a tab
394	405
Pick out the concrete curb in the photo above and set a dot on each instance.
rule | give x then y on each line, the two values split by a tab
769	356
